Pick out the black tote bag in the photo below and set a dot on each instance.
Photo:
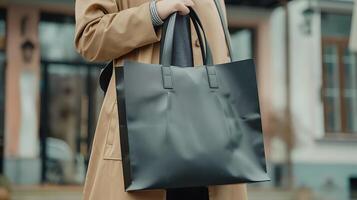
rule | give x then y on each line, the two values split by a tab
189	127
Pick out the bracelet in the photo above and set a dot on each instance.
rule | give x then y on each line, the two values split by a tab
156	20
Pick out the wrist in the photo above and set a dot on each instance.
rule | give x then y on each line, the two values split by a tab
165	8
155	17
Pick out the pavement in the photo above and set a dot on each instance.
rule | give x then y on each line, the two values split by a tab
46	192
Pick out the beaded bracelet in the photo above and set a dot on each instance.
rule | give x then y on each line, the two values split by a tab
156	20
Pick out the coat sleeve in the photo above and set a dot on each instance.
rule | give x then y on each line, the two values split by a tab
103	32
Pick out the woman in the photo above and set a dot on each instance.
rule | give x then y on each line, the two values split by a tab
130	29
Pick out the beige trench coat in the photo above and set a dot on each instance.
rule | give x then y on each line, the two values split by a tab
122	29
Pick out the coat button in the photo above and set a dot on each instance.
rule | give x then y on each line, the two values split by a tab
197	43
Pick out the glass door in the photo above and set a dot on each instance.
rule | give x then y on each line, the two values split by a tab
70	102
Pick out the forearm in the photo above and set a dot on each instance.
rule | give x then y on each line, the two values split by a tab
104	33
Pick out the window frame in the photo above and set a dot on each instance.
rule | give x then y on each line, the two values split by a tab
92	114
342	44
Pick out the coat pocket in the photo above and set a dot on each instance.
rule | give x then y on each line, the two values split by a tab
112	150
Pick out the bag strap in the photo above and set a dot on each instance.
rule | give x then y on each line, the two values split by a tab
225	27
106	73
105	76
168	39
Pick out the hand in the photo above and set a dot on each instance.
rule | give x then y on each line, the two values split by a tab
166	7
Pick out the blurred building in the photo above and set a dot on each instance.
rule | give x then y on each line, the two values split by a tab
307	69
49	96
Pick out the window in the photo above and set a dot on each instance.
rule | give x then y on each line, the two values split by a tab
56	37
243	43
339	75
70	102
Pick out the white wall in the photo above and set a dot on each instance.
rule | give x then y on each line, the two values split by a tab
306	76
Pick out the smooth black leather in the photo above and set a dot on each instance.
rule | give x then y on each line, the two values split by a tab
190	134
182	48
167	46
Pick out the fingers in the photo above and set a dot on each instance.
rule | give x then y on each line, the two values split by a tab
188	3
167	7
183	9
182	6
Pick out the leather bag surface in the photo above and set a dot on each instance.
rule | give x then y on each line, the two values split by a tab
189	126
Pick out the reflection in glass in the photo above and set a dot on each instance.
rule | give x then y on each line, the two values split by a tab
243	43
71	102
335	25
350	90
57	41
332	92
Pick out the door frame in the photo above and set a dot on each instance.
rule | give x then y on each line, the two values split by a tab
44	109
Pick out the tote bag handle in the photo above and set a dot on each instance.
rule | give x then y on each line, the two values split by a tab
168	37
106	73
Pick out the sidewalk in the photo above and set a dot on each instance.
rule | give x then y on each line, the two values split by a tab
47	193
279	194
74	193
